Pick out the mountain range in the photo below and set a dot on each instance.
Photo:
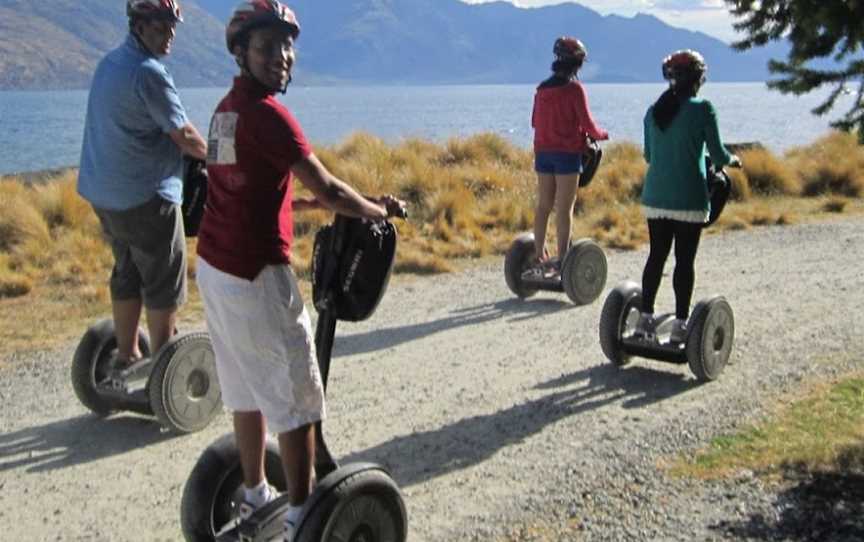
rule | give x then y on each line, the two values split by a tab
56	44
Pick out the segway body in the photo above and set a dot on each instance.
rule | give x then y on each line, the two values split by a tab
178	384
706	348
582	276
355	502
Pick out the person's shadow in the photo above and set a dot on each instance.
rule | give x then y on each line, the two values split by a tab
86	438
418	457
386	337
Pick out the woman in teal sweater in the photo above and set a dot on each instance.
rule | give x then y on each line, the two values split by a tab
678	128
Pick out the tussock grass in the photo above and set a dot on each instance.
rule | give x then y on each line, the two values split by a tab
467	198
766	175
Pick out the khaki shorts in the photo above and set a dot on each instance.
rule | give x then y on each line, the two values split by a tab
149	247
263	342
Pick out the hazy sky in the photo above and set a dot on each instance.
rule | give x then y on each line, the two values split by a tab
708	16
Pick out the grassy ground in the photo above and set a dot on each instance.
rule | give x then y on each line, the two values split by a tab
819	429
468	198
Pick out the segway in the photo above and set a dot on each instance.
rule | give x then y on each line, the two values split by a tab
710	328
178	384
583	270
359	502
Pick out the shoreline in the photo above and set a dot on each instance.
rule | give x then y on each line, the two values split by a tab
37	176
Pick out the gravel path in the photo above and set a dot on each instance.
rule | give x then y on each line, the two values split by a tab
499	418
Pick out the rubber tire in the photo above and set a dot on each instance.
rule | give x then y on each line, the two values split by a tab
214	481
165	367
521	252
709	342
93	351
583	273
613	319
318	524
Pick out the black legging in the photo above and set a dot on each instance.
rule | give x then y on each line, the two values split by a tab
686	235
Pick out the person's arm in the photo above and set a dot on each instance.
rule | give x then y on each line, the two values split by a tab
335	194
646	131
190	141
719	155
585	118
306	204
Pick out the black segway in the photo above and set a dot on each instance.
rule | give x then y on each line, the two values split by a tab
710	328
359	502
178	384
583	270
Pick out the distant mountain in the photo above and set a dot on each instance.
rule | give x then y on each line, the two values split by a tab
57	44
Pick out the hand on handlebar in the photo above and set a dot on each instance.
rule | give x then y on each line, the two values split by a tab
394	206
736	162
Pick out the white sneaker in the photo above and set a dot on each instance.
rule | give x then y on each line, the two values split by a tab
288	531
645	325
248	507
679	331
289	523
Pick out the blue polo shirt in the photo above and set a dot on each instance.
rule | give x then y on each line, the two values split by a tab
127	156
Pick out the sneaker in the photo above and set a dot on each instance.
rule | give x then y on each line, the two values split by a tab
679	331
645	325
246	508
289	523
288	529
535	270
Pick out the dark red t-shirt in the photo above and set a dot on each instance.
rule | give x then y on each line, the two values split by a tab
253	142
561	119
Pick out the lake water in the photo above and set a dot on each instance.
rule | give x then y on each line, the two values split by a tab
42	130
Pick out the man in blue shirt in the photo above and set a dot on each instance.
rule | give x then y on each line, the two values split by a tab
135	135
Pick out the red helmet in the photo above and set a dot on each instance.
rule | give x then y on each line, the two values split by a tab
684	65
252	14
168	10
567	48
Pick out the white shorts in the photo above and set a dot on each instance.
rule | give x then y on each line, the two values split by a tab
263	342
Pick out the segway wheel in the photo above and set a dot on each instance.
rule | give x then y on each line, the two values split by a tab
619	314
91	364
214	490
709	341
356	502
183	387
518	259
584	272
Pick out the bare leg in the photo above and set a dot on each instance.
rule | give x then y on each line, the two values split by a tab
565	198
297	449
161	324
127	315
545	201
250	432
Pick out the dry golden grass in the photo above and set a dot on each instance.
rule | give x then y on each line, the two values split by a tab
467	198
766	175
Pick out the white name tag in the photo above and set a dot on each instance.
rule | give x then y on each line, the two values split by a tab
220	141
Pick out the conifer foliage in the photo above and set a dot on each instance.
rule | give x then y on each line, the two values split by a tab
826	37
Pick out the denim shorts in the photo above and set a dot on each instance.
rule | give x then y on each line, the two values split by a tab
558	163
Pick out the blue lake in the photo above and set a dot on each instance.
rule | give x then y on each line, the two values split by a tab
42	130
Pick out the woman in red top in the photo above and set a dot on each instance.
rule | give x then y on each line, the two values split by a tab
562	124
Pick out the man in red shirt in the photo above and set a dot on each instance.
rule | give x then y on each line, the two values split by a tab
261	331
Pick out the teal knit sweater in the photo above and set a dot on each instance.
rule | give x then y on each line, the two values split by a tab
676	178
